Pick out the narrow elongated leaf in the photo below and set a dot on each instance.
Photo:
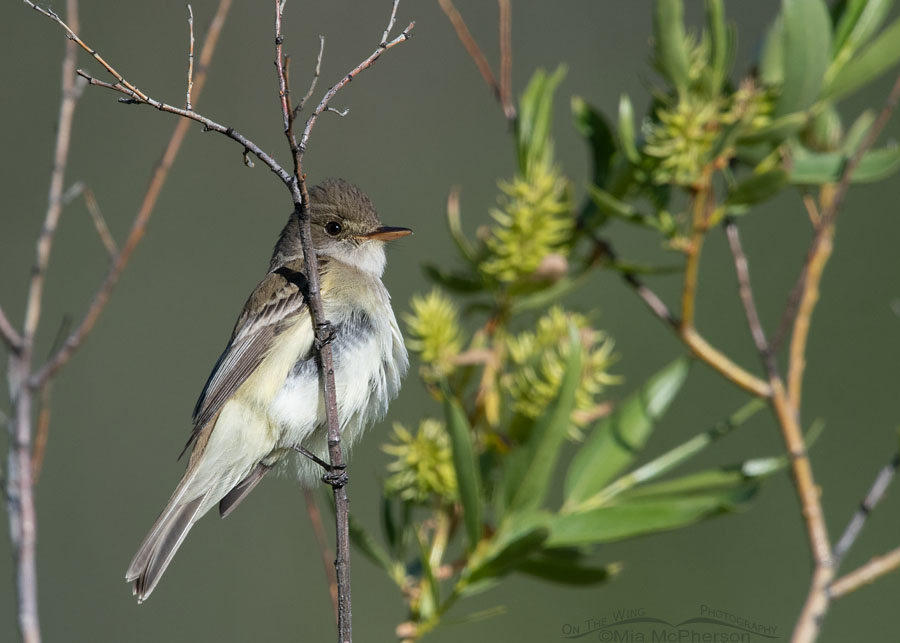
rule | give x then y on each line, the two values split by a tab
815	169
642	517
882	54
567	567
611	206
807	52
370	548
754	189
857	132
591	124
674	457
511	545
529	470
671	44
536	119
720	46
467	475
859	22
617	439
777	130
626	129
771	61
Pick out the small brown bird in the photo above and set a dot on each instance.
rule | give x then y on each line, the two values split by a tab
264	396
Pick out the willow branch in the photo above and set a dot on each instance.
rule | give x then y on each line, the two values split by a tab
465	37
868	573
506	99
9	334
697	343
868	504
157	180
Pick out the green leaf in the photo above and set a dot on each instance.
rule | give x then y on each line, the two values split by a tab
701	483
454	224
758	187
771	61
721	49
807	51
467	475
858	22
593	126
626	129
617	439
671	45
882	54
513	543
857	132
530	468
536	119
367	545
777	130
567	567
815	169
611	206
455	281
646	516
673	457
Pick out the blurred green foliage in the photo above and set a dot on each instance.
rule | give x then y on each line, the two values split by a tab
468	499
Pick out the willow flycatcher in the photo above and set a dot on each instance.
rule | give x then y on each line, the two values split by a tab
264	398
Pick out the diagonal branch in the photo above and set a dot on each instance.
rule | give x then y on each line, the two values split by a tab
873	497
9	334
871	571
139	226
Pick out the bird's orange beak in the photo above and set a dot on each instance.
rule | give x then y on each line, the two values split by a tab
386	233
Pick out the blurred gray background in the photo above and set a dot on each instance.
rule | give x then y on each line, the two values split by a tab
420	121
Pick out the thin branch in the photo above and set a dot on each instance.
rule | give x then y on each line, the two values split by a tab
42	432
808	298
90	201
336	476
391	23
9	334
19	482
190	73
871	571
829	214
157	180
315	519
858	521
315	78
506	100
465	37
698	345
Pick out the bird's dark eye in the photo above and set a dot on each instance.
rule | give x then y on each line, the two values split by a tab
333	228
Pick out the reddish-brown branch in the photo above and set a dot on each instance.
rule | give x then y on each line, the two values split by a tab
315	519
139	226
506	99
465	37
9	334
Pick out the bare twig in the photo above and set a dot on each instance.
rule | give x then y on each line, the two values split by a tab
858	521
9	334
190	73
506	100
157	180
391	23
315	78
871	571
315	519
90	201
19	480
465	37
42	432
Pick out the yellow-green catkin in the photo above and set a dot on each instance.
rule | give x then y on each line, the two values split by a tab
434	332
538	361
423	468
533	220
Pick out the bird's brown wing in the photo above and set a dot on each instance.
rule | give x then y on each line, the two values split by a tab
278	298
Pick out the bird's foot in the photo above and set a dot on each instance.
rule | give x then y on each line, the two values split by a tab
324	334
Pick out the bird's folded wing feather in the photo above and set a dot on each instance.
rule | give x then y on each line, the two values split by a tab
277	299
